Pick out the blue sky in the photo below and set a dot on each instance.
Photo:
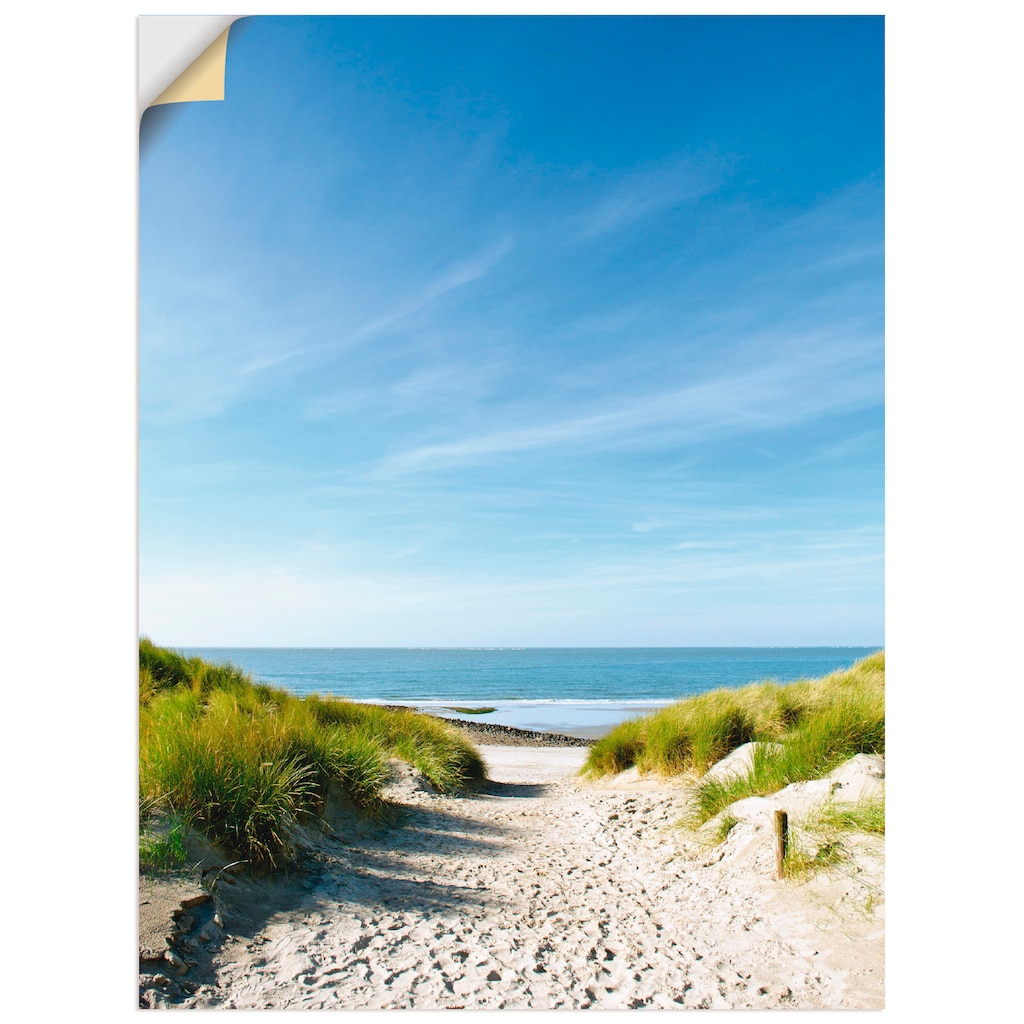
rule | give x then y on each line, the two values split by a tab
539	331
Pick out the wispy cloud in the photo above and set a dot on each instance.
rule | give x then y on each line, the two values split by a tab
758	398
694	545
467	382
199	370
648	525
421	388
648	191
456	275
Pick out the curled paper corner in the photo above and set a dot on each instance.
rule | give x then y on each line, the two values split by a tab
182	58
203	79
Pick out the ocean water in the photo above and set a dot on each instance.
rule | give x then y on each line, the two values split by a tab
583	691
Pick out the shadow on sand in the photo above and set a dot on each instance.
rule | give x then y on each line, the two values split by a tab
516	789
361	862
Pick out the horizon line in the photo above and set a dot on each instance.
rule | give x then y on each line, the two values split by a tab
524	647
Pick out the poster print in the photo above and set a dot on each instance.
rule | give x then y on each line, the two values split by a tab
511	515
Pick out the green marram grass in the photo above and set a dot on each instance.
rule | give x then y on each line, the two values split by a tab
822	840
243	762
802	730
164	849
725	825
866	816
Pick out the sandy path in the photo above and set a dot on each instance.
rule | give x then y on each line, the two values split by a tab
541	892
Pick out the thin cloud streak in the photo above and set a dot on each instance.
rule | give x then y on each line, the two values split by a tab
457	275
646	192
766	398
694	545
230	357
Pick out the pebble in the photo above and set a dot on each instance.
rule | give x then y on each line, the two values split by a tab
175	960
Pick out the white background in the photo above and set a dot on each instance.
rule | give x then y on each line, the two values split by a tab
953	508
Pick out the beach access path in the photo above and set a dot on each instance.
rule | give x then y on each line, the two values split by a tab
541	891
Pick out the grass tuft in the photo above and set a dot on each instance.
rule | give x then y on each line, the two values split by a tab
866	816
822	840
165	850
244	762
725	825
802	731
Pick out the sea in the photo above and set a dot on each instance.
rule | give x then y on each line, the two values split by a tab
581	691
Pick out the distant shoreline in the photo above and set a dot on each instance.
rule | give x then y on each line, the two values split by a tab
509	736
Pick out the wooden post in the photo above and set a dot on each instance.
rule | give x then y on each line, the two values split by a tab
781	839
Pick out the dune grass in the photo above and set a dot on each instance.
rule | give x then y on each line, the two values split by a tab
822	840
802	730
864	816
164	849
244	762
725	825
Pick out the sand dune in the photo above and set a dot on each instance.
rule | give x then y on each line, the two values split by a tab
543	892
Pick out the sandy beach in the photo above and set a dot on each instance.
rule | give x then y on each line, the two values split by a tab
541	891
